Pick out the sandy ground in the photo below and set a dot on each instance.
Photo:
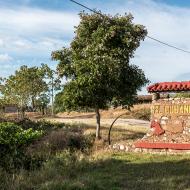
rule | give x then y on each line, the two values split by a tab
88	118
107	117
120	123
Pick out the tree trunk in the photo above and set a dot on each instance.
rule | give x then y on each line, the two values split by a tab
52	98
43	111
97	124
22	116
33	103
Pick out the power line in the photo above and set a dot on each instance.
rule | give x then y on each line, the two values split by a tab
166	44
86	7
150	37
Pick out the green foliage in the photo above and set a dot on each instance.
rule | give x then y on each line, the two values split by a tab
24	86
13	141
24	145
54	83
59	104
97	63
11	134
42	102
41	125
97	67
114	171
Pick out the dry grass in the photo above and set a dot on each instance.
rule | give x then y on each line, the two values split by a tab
110	113
118	134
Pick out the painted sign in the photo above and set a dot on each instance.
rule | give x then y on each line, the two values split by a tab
163	109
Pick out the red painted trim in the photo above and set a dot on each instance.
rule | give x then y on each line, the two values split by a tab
176	146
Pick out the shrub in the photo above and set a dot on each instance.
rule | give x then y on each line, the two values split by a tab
13	141
60	140
35	125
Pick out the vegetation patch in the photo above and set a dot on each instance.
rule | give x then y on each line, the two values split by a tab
27	144
13	141
105	170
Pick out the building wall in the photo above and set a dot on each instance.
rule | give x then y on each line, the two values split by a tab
10	109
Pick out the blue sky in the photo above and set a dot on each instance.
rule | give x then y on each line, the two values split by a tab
31	29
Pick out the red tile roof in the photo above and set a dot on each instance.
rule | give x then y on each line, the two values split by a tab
169	87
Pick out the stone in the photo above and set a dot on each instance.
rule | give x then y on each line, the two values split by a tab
137	150
115	146
174	126
127	148
122	147
145	137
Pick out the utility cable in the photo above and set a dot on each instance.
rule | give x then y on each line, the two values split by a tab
150	37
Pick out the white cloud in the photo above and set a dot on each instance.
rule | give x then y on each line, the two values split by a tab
1	43
31	21
32	32
170	24
20	44
5	58
35	30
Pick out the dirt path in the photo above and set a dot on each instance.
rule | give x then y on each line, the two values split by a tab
120	123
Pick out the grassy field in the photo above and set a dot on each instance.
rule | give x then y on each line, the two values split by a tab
106	170
100	168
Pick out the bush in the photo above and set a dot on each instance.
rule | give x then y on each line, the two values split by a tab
80	142
36	125
13	141
22	144
60	140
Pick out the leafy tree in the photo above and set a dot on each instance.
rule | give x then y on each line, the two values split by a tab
35	78
58	102
1	83
24	87
42	102
96	65
54	83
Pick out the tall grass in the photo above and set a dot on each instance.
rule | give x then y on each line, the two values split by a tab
106	170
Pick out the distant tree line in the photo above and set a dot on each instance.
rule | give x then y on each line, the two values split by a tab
29	87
